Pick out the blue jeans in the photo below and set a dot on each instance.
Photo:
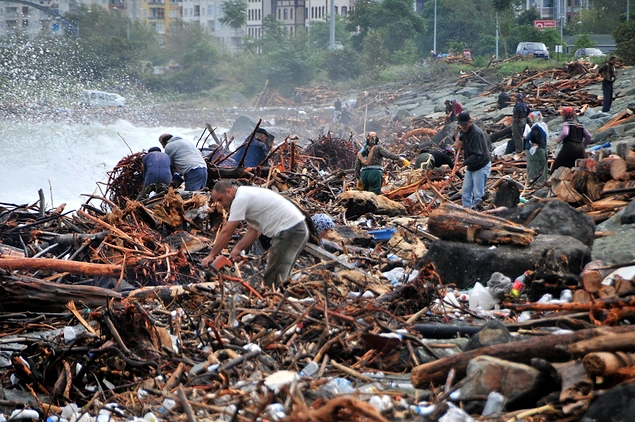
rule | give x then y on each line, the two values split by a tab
474	186
196	179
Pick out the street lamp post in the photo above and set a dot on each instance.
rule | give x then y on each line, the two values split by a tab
496	35
628	9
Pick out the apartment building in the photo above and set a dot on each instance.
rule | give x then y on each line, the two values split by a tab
31	19
557	9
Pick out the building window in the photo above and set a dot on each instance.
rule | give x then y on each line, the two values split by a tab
286	13
197	10
25	23
25	10
210	11
291	13
344	10
279	14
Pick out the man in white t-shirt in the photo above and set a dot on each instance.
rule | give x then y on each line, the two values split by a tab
266	212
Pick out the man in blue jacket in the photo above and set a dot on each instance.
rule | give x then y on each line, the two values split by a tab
257	150
156	167
476	159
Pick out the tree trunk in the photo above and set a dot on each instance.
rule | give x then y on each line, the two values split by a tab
60	266
520	351
592	276
587	183
453	222
44	296
612	167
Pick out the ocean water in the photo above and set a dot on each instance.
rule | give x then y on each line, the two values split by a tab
67	160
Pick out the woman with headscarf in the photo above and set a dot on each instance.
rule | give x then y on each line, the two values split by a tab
369	164
536	149
574	138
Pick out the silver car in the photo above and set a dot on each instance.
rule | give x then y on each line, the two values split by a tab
589	52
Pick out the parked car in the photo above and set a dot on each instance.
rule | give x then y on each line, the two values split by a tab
589	52
538	49
92	98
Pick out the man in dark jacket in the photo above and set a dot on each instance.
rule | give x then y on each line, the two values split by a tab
607	70
433	158
519	120
156	167
476	159
258	149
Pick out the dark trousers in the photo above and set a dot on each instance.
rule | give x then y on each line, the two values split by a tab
285	249
607	92
372	180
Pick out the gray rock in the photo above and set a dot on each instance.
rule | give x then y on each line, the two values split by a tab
558	217
242	125
464	263
494	332
628	215
401	114
513	380
614	405
618	248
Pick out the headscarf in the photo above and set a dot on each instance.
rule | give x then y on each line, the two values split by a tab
536	118
322	223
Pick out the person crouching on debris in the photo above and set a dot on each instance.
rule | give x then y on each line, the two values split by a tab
536	149
369	164
452	110
187	161
266	212
256	152
157	167
432	158
476	159
574	138
519	120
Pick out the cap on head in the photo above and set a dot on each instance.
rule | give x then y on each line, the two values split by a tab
463	118
154	149
263	131
163	139
519	96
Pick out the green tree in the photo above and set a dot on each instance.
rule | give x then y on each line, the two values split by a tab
584	41
395	20
320	33
501	6
343	64
234	15
625	39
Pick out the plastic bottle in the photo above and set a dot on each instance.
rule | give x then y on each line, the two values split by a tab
519	285
310	370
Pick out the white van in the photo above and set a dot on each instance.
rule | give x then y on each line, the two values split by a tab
92	98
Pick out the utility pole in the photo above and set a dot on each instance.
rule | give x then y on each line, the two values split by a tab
496	35
332	13
628	9
434	44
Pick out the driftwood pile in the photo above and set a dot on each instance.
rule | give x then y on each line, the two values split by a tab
108	311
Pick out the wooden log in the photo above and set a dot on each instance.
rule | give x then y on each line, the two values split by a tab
611	167
586	164
608	204
60	266
551	347
617	186
624	287
606	292
587	183
561	174
44	296
581	296
605	341
453	222
565	191
630	162
606	363
592	276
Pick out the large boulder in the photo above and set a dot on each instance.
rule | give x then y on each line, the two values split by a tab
614	405
464	263
628	215
556	217
515	381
